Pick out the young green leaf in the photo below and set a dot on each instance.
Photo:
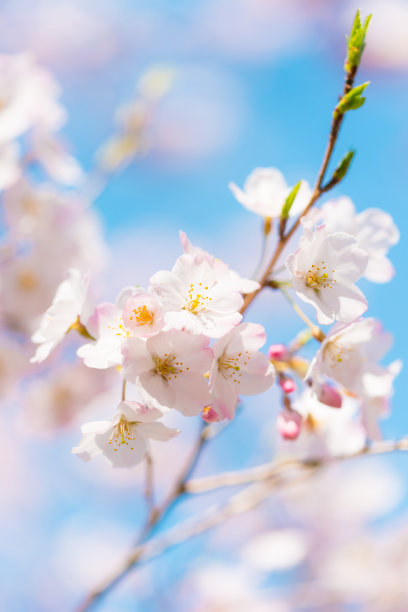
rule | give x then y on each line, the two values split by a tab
289	201
351	100
356	42
341	170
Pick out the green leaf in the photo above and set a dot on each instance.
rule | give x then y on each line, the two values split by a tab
341	170
356	42
351	100
289	201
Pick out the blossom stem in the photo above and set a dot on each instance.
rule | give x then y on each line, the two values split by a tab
315	329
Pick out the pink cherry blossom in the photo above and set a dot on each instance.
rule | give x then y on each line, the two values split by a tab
198	297
169	367
350	355
243	285
373	228
325	431
123	440
324	270
239	368
108	327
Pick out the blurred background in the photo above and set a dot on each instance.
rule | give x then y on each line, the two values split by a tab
251	83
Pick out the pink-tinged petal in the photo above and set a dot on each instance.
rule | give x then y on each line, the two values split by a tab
192	394
136	358
256	377
198	361
379	269
352	304
159	388
101	318
157	431
248	336
224	396
135	411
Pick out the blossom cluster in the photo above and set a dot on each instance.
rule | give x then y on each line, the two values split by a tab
183	345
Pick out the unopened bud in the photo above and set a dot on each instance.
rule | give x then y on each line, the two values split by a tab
289	424
329	395
209	415
287	385
278	352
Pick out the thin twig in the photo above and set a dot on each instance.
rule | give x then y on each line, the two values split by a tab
269	470
149	487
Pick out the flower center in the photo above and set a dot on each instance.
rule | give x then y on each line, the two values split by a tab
142	315
118	328
230	365
197	299
335	353
317	277
167	367
123	434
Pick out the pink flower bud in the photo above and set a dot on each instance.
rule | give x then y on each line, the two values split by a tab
278	352
209	415
330	396
289	424
288	385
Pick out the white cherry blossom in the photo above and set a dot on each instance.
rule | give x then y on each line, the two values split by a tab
28	96
67	308
169	367
265	192
124	441
136	313
239	368
243	285
324	270
198	297
350	355
373	228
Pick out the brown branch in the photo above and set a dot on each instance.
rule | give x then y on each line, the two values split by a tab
318	190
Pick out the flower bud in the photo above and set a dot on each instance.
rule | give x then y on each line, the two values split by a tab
329	395
278	352
289	424
287	385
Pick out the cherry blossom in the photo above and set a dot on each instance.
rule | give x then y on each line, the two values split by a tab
169	367
198	297
373	228
324	270
239	368
243	285
28	97
124	441
107	327
350	356
136	313
265	192
66	310
325	431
